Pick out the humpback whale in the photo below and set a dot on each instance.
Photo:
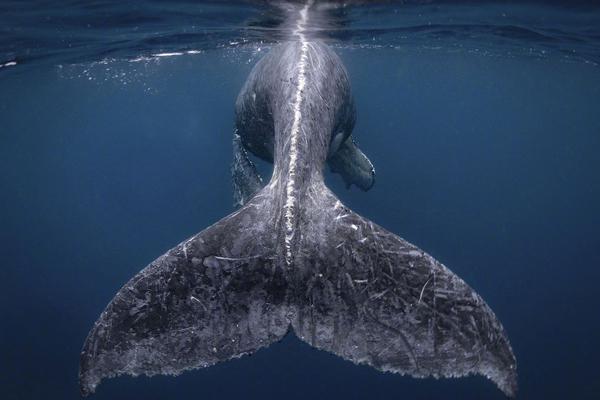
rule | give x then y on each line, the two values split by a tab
294	259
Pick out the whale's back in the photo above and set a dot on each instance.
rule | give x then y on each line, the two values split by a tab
264	105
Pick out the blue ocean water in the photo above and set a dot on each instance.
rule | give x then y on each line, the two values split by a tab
482	121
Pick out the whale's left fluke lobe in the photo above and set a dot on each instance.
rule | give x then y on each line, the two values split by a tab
214	297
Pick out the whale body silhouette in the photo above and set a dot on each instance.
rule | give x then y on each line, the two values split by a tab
295	259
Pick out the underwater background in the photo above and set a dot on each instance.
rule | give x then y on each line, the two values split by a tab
482	121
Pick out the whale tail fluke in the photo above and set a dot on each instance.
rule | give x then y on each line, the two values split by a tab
353	289
372	298
214	297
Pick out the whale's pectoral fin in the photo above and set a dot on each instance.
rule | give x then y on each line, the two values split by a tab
246	179
371	297
353	165
214	297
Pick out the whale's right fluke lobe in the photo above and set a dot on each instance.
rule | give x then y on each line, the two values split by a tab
372	298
